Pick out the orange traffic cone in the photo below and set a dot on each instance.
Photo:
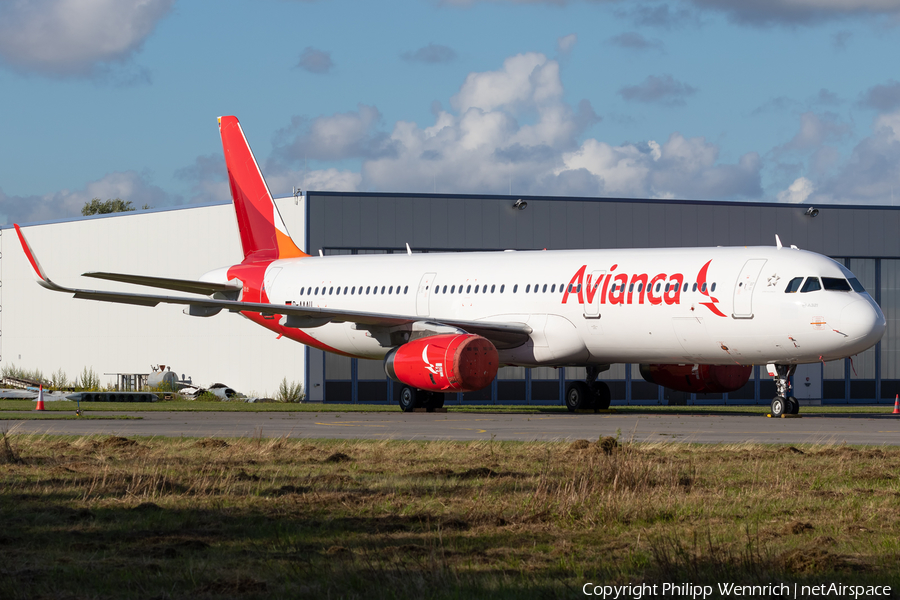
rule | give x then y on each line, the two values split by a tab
40	404
897	404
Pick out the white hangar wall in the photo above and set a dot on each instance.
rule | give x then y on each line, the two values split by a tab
51	330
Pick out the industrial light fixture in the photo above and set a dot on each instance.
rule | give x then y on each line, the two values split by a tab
520	204
812	212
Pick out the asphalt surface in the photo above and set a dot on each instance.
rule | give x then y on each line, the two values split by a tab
721	428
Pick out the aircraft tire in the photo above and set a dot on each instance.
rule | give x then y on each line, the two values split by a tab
602	395
793	407
778	406
436	400
578	396
408	398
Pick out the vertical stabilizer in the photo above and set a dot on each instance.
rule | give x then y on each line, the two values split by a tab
263	234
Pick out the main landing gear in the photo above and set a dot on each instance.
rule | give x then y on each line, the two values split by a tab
782	403
412	398
588	394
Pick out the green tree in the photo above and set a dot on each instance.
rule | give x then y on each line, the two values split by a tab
98	207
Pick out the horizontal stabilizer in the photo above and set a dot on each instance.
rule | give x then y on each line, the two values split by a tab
206	288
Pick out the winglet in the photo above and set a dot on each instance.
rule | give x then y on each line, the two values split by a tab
263	233
777	242
38	270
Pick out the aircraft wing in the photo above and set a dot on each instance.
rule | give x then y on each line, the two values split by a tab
504	335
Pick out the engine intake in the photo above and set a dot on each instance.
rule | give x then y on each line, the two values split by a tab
444	363
698	379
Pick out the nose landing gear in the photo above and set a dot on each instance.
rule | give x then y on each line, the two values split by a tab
782	403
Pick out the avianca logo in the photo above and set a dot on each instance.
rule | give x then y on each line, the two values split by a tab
621	288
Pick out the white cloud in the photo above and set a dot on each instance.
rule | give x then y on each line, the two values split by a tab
565	44
81	38
798	191
662	89
66	204
526	80
815	130
315	61
351	134
871	175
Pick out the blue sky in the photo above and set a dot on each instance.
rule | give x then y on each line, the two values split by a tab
771	100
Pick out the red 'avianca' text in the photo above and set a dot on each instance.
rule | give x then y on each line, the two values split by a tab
621	288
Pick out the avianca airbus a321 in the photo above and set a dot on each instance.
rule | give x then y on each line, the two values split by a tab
696	319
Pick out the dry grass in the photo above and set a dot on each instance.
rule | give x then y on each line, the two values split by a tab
268	518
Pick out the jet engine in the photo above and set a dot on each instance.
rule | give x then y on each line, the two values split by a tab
700	379
444	363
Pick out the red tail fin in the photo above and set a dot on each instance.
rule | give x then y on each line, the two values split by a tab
263	234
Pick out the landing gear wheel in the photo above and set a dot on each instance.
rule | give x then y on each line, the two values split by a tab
793	406
602	395
778	406
408	399
578	396
431	399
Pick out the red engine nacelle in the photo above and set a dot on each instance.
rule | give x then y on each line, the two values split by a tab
700	379
444	363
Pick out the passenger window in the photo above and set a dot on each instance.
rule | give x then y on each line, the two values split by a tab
694	287
579	288
468	289
703	287
339	291
368	289
811	285
452	289
793	285
301	291
857	286
391	289
492	288
445	289
375	290
527	288
382	289
835	284
515	288
713	288
553	288
405	288
476	288
330	290
685	288
317	291
658	285
502	287
640	286
545	288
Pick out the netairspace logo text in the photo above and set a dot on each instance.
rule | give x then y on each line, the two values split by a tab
727	590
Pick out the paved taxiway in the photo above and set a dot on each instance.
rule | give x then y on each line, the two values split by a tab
829	429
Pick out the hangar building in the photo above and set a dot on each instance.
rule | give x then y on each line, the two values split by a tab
41	329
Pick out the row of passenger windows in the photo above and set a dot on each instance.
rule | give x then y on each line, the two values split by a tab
352	290
573	289
832	284
484	289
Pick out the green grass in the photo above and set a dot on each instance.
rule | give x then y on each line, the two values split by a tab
195	406
105	517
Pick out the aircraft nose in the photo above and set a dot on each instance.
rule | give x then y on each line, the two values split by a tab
863	323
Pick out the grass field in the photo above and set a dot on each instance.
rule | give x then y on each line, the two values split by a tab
108	517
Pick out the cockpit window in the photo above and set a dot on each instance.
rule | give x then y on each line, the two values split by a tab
856	285
811	285
793	285
835	284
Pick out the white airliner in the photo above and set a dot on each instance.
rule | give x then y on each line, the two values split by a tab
696	319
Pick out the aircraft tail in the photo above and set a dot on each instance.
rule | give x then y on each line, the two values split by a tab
263	234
